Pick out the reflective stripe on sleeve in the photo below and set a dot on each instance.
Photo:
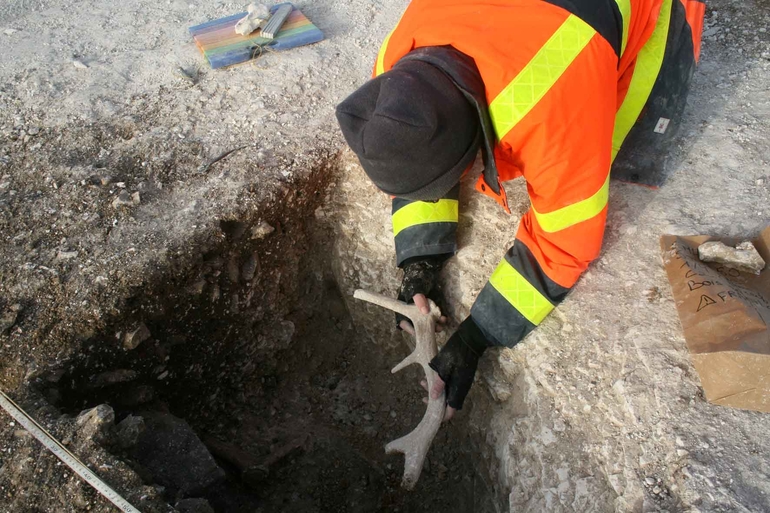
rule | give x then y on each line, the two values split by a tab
539	75
575	213
521	294
423	212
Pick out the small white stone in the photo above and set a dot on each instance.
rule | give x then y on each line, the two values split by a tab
79	64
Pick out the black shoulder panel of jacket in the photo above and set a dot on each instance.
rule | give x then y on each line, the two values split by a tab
603	15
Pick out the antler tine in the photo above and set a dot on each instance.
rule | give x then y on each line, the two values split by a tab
415	445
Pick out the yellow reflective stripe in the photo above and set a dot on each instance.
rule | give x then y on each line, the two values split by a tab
380	67
648	64
521	294
624	6
423	212
539	75
575	213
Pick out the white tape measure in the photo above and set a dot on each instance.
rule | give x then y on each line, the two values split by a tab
63	454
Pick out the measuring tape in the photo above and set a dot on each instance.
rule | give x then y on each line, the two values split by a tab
61	452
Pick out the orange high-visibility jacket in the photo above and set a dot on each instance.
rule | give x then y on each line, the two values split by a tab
565	83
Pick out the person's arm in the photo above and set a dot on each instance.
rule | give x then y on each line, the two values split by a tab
425	228
566	163
425	237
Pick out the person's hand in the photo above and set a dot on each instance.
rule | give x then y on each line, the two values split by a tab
420	274
456	365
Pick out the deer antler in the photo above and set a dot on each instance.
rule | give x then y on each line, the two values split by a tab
415	445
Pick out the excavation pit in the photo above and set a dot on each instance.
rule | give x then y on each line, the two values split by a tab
254	347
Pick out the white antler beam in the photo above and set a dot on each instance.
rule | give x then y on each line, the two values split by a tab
415	445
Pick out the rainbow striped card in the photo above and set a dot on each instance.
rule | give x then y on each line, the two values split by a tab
222	46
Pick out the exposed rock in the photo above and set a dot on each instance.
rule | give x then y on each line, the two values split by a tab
194	506
744	257
8	318
249	267
93	424
233	272
124	199
114	376
128	430
133	338
262	230
174	454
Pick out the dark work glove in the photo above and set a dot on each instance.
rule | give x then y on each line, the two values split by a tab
420	274
457	361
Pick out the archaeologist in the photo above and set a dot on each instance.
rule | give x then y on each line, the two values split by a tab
553	91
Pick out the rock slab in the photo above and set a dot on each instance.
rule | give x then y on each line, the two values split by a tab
744	257
173	453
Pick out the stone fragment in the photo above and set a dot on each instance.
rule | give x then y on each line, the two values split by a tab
93	424
66	255
8	318
124	199
194	506
744	257
257	16
132	339
170	450
262	230
113	377
249	267
79	64
233	272
128	430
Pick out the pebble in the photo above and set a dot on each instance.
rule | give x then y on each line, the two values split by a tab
163	375
649	481
33	130
126	199
249	268
136	337
66	255
262	230
79	64
392	414
656	490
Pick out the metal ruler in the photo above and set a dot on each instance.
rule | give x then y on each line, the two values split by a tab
61	452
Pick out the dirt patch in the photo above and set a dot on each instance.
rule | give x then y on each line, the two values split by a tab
256	350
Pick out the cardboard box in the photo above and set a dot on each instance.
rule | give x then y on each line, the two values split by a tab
725	316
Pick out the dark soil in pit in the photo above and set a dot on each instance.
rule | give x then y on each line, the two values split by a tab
297	411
